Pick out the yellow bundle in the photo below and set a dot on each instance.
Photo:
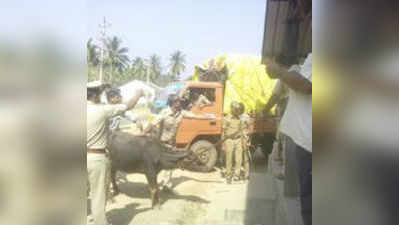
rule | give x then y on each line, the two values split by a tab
247	81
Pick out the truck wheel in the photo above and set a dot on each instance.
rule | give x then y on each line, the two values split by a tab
206	155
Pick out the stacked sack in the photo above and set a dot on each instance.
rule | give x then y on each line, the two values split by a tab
247	81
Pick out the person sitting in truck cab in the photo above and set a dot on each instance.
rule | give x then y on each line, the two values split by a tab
198	100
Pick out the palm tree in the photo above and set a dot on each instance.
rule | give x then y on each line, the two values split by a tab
116	55
139	68
92	53
154	67
177	64
93	59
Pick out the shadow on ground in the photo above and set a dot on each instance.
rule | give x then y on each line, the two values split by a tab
140	190
260	208
123	216
168	195
181	179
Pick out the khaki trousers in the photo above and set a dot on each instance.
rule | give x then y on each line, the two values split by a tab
246	163
233	147
98	169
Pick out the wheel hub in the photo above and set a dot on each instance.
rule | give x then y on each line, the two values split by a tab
203	156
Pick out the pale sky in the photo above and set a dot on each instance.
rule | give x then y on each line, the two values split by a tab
201	29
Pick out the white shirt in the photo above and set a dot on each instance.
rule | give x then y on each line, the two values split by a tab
297	119
281	89
97	117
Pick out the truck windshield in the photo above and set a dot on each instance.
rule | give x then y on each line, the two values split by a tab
162	99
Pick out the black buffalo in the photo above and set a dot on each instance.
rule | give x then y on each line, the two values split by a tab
137	154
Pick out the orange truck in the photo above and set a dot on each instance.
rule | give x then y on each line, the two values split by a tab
203	137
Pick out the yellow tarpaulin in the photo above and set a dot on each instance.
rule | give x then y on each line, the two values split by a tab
247	81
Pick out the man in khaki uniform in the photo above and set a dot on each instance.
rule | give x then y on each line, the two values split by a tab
245	140
168	121
98	163
232	136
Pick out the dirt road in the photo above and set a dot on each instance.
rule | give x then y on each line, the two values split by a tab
201	199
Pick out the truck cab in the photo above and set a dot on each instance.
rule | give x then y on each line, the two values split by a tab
201	136
192	129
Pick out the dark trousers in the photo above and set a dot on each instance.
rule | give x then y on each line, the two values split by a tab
304	165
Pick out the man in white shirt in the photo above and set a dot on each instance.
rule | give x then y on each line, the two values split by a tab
297	124
98	164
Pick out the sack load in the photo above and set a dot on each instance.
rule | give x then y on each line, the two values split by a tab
246	80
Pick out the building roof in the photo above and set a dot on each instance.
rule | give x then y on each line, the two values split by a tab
282	38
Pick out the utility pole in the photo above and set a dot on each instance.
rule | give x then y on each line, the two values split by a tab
103	35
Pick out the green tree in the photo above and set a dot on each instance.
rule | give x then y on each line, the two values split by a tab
123	77
177	64
138	68
154	67
93	60
117	57
92	53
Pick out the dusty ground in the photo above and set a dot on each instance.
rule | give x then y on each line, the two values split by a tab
201	199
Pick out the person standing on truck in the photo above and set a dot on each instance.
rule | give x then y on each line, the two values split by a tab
297	124
232	135
98	163
168	121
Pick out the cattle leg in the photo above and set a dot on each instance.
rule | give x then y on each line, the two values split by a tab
152	183
113	180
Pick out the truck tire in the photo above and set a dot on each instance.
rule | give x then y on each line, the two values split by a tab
206	159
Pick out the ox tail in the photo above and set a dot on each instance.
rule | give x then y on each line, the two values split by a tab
170	160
